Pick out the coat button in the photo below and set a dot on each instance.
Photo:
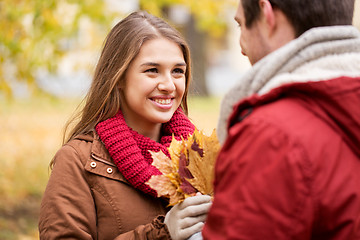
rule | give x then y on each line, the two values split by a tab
93	164
109	170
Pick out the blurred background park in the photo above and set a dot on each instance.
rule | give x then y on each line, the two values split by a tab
48	51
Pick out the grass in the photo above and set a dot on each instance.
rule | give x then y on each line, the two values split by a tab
204	112
30	135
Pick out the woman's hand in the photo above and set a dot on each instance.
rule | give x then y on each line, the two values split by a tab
187	218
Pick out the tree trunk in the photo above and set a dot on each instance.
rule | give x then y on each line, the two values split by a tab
197	42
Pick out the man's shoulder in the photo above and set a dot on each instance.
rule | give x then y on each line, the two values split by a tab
283	112
285	120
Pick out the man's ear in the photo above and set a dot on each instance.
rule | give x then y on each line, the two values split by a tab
268	15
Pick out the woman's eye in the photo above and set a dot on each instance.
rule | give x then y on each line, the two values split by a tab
179	71
151	70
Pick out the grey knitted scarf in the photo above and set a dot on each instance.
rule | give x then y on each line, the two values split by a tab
319	54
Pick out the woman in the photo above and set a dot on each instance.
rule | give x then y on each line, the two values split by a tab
136	103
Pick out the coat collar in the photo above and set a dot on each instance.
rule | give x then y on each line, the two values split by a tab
98	150
320	48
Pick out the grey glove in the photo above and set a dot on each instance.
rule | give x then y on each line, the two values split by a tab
187	218
196	236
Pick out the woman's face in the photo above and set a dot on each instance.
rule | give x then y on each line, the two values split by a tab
154	85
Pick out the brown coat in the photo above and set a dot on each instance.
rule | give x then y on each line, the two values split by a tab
88	198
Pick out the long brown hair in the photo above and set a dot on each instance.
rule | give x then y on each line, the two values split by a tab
122	45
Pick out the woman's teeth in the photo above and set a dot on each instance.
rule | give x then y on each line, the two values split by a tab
163	101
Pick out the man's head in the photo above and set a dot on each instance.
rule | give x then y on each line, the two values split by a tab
268	24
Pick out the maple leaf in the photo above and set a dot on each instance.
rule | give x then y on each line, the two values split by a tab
184	173
202	157
162	162
163	184
189	168
175	150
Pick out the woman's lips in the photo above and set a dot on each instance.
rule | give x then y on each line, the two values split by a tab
161	102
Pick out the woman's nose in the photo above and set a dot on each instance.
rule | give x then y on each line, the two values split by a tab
166	83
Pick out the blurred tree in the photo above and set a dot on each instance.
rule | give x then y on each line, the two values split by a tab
208	14
36	34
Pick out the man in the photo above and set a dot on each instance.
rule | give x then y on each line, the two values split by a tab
289	167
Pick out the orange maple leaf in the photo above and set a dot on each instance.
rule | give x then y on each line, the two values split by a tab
168	184
190	168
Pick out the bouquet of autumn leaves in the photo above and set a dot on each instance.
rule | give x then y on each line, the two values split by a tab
189	170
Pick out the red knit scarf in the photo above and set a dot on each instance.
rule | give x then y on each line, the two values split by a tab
130	150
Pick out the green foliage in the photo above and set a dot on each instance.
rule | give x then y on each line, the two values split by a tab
34	35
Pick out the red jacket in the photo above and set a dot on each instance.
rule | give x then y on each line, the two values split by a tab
290	167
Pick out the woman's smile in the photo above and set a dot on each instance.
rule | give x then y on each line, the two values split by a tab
164	102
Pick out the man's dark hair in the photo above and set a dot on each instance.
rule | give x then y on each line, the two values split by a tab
305	14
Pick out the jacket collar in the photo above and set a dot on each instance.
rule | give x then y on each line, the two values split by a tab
324	49
98	150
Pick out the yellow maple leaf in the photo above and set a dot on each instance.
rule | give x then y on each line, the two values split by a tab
190	168
162	162
202	157
166	185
